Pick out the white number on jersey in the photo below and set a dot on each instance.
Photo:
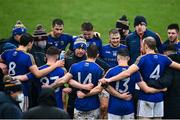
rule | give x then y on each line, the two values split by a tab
88	78
125	85
156	73
45	80
12	66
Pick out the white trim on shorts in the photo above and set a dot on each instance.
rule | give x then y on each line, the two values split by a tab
150	109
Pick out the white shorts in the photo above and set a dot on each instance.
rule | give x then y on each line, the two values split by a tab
93	114
118	117
104	93
25	103
150	109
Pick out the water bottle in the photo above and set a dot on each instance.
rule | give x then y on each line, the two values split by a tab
62	55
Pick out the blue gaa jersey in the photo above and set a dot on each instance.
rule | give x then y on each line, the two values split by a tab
49	79
61	42
109	54
18	63
116	105
86	72
152	67
95	41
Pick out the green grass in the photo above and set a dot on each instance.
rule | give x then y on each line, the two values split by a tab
102	13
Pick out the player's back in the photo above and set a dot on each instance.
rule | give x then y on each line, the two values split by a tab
120	106
152	67
18	61
49	79
87	72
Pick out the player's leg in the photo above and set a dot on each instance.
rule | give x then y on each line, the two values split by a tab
104	99
159	110
145	109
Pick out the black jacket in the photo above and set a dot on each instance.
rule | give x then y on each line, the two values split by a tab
9	108
47	107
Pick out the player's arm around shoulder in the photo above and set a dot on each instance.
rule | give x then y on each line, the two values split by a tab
114	92
94	91
148	89
175	65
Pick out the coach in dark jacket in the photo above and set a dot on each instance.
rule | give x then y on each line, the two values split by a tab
134	40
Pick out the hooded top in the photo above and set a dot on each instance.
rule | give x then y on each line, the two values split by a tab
9	108
47	107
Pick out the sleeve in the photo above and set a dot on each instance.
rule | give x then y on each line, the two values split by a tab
108	74
168	61
137	77
139	61
3	56
72	69
158	43
71	41
30	61
30	76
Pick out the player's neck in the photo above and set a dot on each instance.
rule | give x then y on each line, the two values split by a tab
50	61
123	63
149	51
22	48
91	59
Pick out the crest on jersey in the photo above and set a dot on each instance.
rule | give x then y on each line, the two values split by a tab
114	53
15	53
62	42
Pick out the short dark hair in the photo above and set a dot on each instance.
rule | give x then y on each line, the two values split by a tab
123	52
150	42
87	26
92	51
25	39
173	26
53	51
57	21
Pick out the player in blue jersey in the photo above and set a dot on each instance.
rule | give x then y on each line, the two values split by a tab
121	104
89	34
173	34
86	73
19	62
123	107
151	67
109	51
52	56
58	38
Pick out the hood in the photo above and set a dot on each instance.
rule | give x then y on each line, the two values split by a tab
4	98
47	97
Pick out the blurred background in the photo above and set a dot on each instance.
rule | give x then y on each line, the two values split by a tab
102	13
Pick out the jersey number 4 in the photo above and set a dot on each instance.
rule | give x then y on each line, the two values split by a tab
156	73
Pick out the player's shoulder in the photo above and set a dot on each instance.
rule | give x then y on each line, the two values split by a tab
106	46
